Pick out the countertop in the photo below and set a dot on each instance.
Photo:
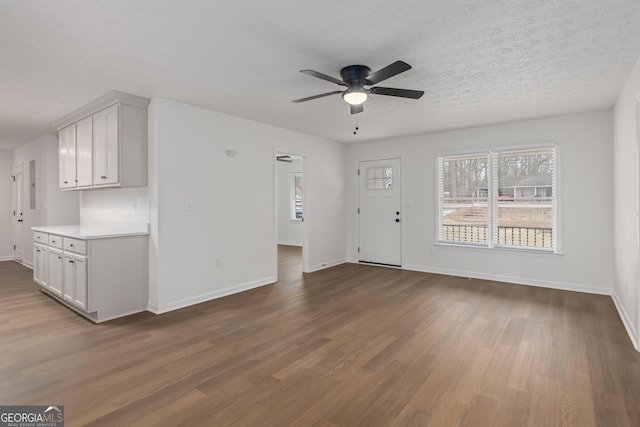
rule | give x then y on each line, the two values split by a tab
97	231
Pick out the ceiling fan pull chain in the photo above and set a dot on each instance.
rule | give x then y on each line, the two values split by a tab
356	131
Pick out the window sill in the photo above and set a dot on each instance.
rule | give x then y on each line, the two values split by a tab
501	250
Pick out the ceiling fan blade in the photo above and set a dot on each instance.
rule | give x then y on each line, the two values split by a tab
387	72
355	109
323	77
284	158
402	93
316	96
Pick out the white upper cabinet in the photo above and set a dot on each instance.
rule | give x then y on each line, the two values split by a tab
84	152
104	144
67	156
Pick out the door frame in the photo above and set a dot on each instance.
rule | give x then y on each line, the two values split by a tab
357	231
17	231
637	283
306	211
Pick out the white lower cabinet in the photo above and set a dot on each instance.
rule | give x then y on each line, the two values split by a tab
40	273
75	280
100	278
54	264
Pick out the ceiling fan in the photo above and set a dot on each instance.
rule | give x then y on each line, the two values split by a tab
356	77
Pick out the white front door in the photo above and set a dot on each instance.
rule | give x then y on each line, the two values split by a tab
379	212
18	214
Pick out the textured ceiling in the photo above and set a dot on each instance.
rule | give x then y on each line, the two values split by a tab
479	62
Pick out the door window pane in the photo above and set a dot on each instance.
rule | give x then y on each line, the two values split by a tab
379	178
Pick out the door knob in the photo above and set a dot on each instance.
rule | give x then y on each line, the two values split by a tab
397	212
397	219
19	220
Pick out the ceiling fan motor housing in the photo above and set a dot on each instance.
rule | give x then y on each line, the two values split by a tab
355	73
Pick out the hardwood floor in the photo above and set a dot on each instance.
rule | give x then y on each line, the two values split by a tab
351	345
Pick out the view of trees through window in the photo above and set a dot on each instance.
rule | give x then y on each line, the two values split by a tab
464	198
498	198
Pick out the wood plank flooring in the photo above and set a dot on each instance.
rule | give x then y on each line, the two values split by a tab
352	345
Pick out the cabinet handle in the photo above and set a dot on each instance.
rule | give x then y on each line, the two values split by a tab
103	177
66	182
59	257
71	244
71	261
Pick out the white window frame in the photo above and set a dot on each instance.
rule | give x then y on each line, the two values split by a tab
492	225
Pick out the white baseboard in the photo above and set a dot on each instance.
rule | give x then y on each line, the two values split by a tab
628	325
324	265
512	279
21	263
118	316
186	302
287	243
6	258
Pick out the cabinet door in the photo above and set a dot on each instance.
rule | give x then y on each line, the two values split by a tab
75	280
84	152
67	156
54	264
40	265
106	147
80	281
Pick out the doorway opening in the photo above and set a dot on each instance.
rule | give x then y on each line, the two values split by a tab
291	213
18	213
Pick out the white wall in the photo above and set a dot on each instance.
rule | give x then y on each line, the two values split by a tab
625	192
53	207
585	145
289	231
212	215
6	197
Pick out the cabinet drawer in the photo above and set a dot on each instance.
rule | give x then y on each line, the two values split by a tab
55	241
75	245
40	237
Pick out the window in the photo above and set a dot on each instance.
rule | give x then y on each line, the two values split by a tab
498	198
379	178
296	197
464	194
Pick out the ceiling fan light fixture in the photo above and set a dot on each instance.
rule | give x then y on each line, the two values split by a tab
355	96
